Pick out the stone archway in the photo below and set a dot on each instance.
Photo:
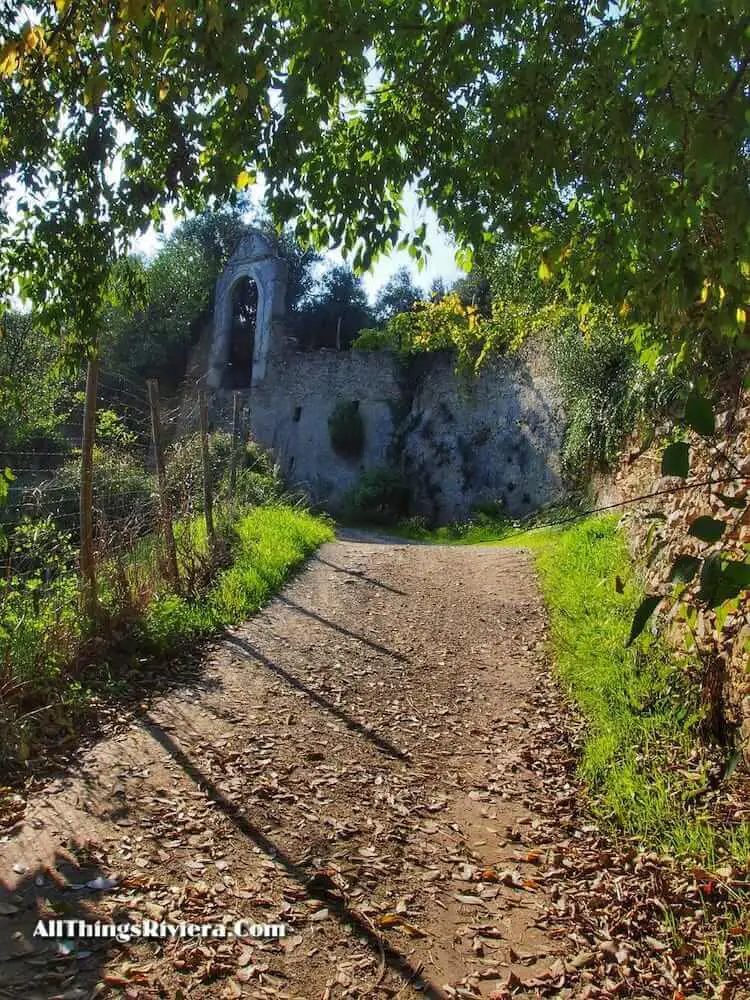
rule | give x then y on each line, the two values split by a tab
256	258
242	333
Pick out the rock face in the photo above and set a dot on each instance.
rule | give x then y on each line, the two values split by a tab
658	533
461	442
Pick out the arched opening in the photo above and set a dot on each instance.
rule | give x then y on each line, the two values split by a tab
242	333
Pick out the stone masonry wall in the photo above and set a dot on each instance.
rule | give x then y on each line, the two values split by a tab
469	441
461	441
289	413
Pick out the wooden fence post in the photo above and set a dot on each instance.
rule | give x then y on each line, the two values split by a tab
161	474
208	503
235	442
86	553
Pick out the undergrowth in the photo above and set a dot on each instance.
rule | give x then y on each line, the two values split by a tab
643	757
55	665
270	542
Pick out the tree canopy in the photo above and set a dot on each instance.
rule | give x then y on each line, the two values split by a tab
617	134
335	311
397	295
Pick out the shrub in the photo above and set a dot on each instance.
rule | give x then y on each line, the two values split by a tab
254	488
347	429
257	474
604	387
112	432
381	496
184	461
38	546
121	486
375	340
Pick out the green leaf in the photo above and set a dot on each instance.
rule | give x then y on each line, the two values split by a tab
707	529
544	272
736	577
699	415
644	611
684	568
675	460
722	580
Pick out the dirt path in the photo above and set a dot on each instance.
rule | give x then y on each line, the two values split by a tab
356	762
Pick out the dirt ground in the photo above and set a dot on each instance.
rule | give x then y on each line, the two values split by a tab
359	762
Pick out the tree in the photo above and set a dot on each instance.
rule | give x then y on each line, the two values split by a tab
151	334
35	397
438	289
475	290
617	133
397	295
301	262
337	311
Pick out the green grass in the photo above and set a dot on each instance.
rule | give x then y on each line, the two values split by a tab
471	533
54	683
642	757
640	705
270	543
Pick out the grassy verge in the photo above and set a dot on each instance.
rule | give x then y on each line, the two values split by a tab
270	543
56	666
642	758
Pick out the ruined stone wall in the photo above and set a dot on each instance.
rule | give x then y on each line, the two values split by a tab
290	408
471	441
461	441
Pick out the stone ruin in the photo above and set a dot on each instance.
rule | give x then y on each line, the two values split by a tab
460	441
256	259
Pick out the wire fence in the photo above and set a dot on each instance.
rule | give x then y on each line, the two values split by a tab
130	493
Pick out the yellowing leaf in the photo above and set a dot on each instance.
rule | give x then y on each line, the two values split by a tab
9	59
241	91
705	291
396	920
92	92
544	270
260	71
163	91
33	38
741	317
244	179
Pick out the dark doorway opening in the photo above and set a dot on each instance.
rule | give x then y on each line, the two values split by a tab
242	337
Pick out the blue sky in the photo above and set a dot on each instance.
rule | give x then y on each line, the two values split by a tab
441	264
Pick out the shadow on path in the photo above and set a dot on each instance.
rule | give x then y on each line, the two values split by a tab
250	652
360	574
335	903
376	646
